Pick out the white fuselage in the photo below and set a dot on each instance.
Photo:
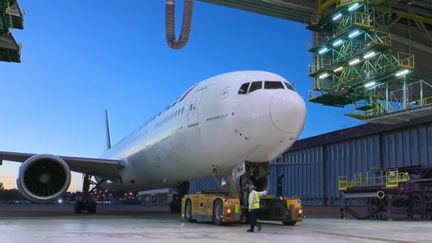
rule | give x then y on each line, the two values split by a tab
211	128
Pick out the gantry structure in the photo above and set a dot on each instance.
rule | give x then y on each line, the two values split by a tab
11	17
372	55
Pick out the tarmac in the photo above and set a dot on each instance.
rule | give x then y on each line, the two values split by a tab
56	223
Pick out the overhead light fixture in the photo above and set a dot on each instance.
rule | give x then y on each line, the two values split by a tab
402	73
354	7
323	51
338	69
354	62
337	43
324	75
337	16
354	34
370	84
369	55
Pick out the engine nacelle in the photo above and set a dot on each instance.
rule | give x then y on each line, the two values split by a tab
43	178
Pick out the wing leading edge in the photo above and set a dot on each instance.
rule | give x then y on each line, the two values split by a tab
105	168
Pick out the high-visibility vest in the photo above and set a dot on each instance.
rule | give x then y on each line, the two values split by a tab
256	201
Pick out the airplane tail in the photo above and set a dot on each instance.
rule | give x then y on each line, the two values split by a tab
107	131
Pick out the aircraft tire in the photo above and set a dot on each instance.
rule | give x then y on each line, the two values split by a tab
91	207
78	207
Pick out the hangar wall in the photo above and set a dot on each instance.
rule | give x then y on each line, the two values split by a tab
311	167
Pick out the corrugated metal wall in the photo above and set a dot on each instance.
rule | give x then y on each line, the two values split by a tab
408	147
303	175
311	173
205	184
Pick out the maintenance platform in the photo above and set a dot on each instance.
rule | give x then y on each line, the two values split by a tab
11	17
389	193
373	55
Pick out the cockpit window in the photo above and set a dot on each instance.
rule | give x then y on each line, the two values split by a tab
244	88
273	85
255	86
289	86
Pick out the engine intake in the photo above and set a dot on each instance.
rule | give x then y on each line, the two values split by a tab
43	178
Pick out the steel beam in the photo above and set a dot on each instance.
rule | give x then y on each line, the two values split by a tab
411	43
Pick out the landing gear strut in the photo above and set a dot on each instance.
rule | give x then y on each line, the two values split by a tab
182	190
87	203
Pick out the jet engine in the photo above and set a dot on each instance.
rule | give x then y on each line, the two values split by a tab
43	178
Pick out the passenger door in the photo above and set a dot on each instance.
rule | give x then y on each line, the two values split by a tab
193	109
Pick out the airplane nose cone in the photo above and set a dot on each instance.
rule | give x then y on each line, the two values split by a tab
288	112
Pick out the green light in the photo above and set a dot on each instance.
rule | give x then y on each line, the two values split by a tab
402	73
354	34
323	51
337	16
369	55
354	62
338	69
323	76
354	7
337	43
370	84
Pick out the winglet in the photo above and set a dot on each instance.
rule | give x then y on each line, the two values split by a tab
107	131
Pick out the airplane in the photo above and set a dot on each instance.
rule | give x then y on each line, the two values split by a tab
230	125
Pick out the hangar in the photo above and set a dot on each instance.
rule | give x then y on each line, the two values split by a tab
312	166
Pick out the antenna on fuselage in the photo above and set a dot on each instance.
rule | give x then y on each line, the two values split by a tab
107	131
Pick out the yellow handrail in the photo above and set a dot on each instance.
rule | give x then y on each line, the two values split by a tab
392	178
382	38
427	100
362	19
406	60
342	183
341	3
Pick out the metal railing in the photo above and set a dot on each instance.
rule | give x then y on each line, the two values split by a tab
388	178
394	177
362	19
341	3
382	39
406	60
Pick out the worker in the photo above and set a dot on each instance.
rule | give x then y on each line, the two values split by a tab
254	207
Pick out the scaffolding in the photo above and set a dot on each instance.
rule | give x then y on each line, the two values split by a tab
11	17
354	64
388	193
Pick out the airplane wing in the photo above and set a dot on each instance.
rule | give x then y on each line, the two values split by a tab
105	168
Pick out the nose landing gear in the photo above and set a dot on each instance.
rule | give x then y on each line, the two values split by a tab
182	190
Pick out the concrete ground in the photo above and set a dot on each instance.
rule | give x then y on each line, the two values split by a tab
53	223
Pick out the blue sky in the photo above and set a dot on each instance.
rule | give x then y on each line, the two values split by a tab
81	56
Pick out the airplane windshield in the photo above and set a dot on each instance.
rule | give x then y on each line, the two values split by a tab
248	88
244	88
257	85
273	85
289	86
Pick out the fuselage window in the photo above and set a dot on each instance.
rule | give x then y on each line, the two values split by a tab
244	88
257	85
289	86
273	85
